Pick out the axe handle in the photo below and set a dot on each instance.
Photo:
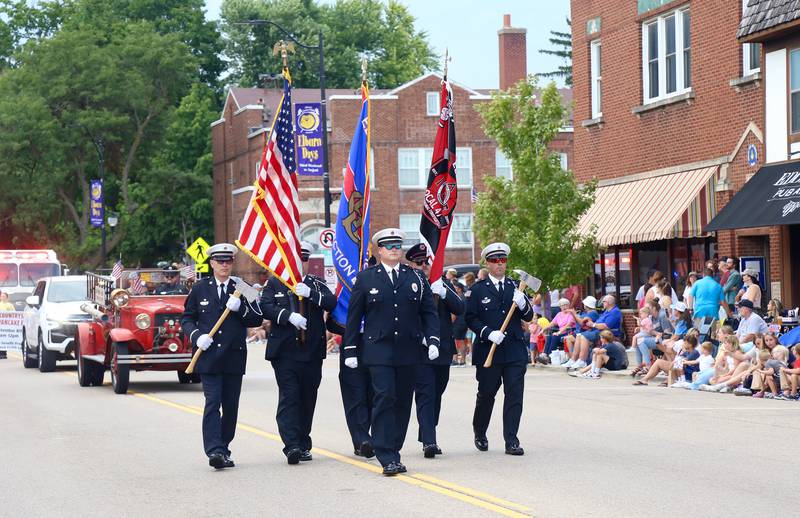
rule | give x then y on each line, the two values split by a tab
488	362
211	333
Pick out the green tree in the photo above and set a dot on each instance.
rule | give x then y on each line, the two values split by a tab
537	213
563	43
384	32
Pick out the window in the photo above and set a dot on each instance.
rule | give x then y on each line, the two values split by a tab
667	55
794	88
460	231
432	103
563	159
751	53
409	224
413	165
597	79
503	168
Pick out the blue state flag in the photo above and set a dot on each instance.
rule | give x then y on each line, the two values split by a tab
351	246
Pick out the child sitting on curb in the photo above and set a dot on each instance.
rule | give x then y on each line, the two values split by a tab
793	374
611	355
770	374
673	368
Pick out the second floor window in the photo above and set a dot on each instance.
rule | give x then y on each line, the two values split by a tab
794	89
751	53
597	80
503	167
432	103
413	165
667	55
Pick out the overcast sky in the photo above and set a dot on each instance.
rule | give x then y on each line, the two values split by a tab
468	28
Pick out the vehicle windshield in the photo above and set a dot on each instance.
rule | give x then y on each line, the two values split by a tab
153	282
29	273
8	274
70	291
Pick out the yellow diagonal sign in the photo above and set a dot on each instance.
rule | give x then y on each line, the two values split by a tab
197	250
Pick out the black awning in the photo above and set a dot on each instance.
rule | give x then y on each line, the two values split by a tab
771	197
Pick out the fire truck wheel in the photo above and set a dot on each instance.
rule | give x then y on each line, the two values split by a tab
120	374
47	358
89	372
27	361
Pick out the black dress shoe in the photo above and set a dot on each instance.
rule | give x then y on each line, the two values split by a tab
429	451
482	443
438	450
216	461
367	450
401	468
391	469
293	456
515	450
228	461
305	456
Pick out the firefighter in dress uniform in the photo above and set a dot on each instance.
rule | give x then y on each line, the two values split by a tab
487	306
432	376
397	312
172	283
224	358
296	348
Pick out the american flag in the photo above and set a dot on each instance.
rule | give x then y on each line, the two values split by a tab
116	271
136	284
188	272
271	226
474	194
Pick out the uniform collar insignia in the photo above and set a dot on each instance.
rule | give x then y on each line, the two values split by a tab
373	291
279	294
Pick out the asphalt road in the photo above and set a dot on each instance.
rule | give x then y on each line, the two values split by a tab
593	448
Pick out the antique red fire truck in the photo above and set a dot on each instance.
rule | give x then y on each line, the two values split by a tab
135	326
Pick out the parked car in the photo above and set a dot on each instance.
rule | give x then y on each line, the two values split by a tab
50	319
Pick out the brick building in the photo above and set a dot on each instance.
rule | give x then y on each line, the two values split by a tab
668	106
403	126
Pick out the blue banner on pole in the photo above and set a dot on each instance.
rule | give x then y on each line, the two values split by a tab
309	139
96	215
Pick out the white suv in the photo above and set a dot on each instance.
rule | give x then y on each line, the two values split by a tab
49	321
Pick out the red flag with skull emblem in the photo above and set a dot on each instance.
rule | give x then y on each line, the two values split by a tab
439	205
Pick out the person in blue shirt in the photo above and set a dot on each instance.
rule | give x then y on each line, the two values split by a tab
584	320
610	319
708	296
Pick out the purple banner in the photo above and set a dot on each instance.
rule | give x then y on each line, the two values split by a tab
309	139
96	215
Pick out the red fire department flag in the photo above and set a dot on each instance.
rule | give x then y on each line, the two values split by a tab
441	194
270	231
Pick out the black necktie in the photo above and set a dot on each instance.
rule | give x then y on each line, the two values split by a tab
500	289
394	277
222	292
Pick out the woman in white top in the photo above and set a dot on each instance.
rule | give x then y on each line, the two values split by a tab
688	299
751	290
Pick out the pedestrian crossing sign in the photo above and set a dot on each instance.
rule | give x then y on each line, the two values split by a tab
197	250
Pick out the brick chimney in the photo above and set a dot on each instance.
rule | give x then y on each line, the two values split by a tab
513	54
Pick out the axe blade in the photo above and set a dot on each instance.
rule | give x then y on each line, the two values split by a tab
532	282
247	291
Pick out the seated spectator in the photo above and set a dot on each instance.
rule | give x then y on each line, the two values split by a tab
792	374
729	357
610	355
750	323
774	312
731	370
702	366
562	325
644	326
610	319
584	321
675	368
770	374
663	330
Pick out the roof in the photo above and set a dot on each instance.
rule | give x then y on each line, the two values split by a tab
765	15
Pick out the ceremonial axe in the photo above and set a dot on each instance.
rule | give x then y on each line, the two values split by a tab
240	288
525	281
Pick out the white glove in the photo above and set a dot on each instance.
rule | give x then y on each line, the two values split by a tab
234	303
438	288
302	290
433	352
351	362
519	299
298	321
497	337
204	342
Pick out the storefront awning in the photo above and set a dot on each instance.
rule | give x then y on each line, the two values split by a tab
676	205
770	197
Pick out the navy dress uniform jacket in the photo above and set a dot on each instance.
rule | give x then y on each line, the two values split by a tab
451	304
396	318
486	313
228	352
278	302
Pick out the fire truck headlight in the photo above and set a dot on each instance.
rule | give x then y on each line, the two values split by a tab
142	320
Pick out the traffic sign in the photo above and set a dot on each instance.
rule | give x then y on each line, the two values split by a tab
201	267
326	237
197	251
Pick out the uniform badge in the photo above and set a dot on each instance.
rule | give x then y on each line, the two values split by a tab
279	294
414	287
468	293
486	300
204	302
373	291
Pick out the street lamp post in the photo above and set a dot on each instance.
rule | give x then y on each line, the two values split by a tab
101	165
326	179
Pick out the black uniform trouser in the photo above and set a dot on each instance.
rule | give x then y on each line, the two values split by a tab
220	390
512	376
357	395
298	383
429	385
391	411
